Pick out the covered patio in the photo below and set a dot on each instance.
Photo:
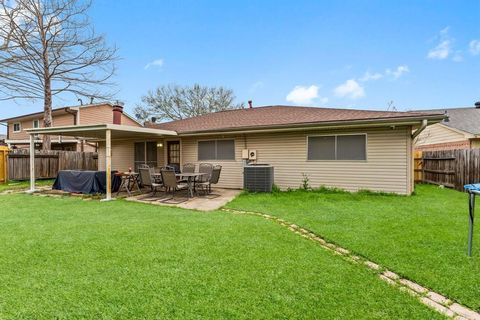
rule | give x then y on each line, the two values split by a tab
107	133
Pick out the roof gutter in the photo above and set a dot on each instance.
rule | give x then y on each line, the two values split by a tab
419	130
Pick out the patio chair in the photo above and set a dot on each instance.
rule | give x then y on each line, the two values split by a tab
188	168
175	167
205	168
148	180
170	182
156	179
214	177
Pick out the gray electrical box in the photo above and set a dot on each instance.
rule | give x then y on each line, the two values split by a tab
258	178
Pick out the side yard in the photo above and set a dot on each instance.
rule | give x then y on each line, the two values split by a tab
23	184
72	258
422	237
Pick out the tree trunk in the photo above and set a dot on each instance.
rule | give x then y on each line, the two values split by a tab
47	115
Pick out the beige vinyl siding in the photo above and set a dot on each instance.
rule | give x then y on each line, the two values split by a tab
439	133
123	154
387	168
232	170
100	114
161	154
58	120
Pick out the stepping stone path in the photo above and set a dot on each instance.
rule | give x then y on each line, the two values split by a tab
430	298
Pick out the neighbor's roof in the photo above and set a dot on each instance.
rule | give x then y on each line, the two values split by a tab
285	116
465	119
56	111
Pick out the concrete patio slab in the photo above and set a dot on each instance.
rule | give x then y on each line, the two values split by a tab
214	201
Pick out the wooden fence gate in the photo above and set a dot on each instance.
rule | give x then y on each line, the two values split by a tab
48	163
451	168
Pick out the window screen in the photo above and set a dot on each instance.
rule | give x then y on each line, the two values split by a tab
206	150
225	150
16	127
340	147
36	124
216	150
351	147
321	148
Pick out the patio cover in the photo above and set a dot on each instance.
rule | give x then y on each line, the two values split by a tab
98	132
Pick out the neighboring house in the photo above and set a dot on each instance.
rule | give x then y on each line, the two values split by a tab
98	113
460	131
343	148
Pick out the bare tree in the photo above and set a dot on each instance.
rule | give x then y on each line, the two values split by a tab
173	102
48	48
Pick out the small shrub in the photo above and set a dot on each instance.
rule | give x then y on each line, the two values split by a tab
275	189
305	182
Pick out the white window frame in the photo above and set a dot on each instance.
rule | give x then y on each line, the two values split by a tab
337	135
19	127
223	139
33	123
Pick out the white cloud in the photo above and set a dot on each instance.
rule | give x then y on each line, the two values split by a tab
441	51
350	89
474	47
444	47
371	76
154	64
305	95
398	72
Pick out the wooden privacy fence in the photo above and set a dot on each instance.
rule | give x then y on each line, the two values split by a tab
48	163
451	168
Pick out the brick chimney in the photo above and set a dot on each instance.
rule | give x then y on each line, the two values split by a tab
117	114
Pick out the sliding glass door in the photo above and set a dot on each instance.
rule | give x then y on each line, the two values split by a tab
145	153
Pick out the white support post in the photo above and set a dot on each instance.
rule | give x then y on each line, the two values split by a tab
32	163
108	165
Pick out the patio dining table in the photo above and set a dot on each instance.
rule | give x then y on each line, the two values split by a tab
191	178
130	180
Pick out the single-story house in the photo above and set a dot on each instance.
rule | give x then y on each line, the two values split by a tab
343	148
461	130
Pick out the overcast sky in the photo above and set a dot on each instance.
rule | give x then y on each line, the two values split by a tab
354	54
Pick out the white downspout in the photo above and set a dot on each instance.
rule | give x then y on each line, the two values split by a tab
419	130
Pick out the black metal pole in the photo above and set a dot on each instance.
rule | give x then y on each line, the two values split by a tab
471	211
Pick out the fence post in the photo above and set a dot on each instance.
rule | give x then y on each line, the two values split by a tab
32	163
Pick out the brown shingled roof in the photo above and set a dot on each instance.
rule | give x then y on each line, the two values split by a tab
280	116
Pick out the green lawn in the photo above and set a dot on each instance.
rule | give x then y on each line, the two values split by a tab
23	185
67	258
422	237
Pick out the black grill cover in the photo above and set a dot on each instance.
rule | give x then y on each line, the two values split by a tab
87	182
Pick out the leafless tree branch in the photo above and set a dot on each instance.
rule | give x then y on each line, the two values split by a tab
173	102
49	47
